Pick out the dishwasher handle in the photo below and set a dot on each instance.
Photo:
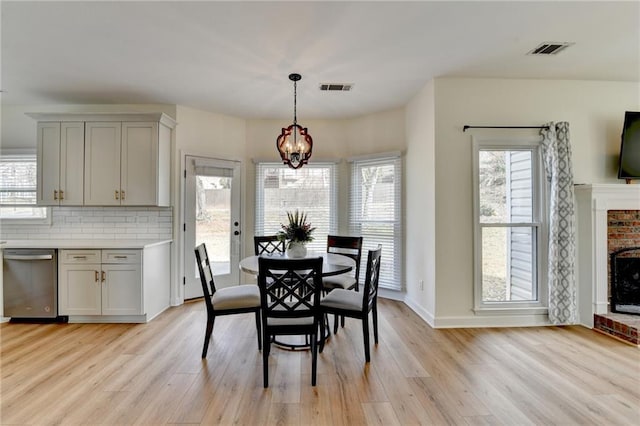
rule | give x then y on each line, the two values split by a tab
28	256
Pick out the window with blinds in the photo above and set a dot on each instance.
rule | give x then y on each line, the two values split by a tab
18	177
376	213
311	189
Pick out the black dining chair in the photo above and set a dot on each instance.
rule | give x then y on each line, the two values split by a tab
225	301
352	248
269	244
290	294
357	304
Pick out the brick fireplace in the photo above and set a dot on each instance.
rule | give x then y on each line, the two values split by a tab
608	220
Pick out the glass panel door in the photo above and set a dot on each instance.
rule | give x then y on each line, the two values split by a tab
212	216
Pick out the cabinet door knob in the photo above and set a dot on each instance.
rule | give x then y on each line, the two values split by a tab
55	194
117	196
122	195
96	276
104	276
61	194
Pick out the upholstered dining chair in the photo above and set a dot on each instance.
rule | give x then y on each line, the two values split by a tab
269	244
346	246
225	301
357	304
290	294
352	248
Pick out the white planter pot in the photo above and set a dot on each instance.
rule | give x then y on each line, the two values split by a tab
296	250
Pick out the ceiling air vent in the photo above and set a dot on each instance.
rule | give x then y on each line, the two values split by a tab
335	87
549	48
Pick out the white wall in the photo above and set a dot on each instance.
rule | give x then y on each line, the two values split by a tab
205	134
595	111
226	137
438	194
420	204
333	140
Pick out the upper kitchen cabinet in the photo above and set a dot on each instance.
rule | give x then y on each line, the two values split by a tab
60	164
102	163
126	158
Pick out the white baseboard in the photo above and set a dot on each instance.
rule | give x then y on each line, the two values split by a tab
150	317
97	319
420	311
473	321
390	294
492	321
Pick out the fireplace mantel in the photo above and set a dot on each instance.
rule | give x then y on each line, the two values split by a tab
593	202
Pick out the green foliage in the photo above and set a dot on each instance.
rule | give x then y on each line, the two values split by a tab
298	230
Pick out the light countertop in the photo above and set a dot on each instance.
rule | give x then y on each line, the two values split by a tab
83	244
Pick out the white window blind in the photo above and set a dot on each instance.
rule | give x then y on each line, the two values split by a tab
209	167
311	189
376	214
18	188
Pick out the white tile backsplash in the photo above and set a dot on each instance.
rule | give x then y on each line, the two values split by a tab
97	223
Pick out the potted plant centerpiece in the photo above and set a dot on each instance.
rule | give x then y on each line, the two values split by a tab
296	234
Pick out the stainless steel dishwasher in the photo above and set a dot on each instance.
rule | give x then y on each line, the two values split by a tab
30	283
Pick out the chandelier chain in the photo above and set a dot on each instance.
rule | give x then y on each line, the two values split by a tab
295	95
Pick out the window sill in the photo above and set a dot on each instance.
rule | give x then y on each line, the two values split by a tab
512	310
45	221
26	220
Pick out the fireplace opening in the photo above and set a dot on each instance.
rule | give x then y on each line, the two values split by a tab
625	285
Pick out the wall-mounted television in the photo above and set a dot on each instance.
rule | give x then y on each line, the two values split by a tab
629	166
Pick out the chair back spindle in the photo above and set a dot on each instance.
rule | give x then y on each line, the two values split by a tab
206	276
269	244
371	278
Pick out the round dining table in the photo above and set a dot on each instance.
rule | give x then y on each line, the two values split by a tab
332	263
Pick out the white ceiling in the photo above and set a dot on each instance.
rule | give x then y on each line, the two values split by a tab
234	57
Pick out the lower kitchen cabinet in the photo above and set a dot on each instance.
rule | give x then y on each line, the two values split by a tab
122	290
100	282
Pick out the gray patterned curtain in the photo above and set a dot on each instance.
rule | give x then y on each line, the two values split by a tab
556	152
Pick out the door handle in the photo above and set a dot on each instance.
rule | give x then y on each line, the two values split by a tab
104	276
61	194
116	194
97	278
55	194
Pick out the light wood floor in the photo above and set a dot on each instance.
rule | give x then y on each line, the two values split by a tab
153	374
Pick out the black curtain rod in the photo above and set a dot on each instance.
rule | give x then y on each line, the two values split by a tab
464	129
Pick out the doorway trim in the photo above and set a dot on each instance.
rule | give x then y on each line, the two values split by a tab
179	227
